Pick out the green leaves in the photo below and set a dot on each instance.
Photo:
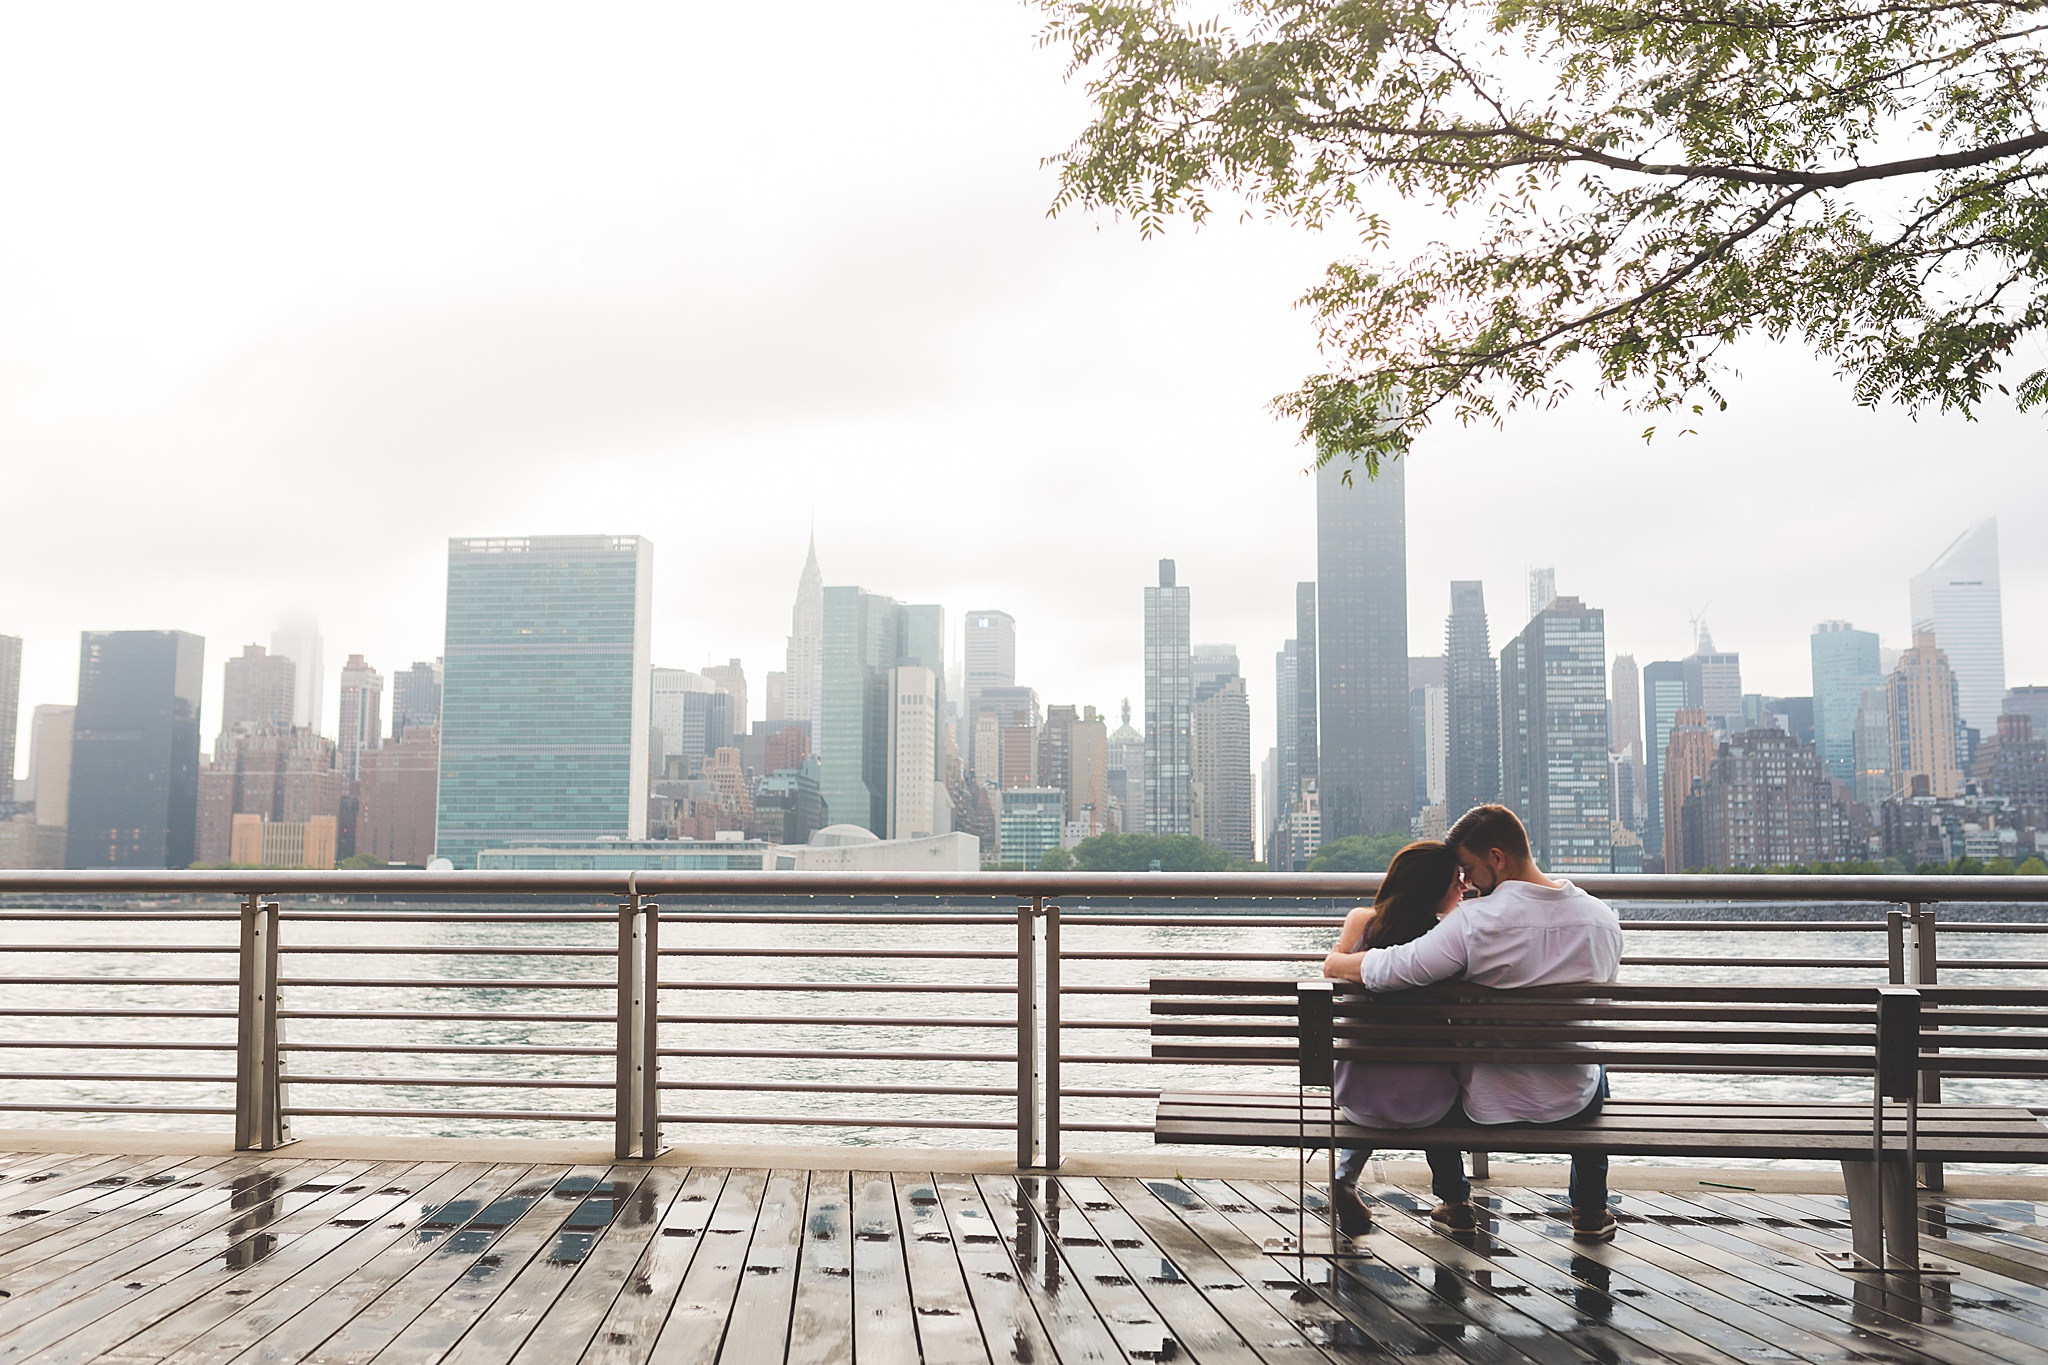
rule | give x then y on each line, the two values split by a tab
1652	181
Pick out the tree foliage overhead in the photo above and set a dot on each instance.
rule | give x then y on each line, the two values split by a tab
1639	183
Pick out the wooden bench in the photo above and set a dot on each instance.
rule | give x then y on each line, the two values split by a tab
1883	1037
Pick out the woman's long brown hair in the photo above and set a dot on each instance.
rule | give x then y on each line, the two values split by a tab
1413	888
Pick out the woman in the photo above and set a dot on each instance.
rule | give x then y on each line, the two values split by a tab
1421	886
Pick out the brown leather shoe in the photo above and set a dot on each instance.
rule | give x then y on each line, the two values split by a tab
1593	1225
1459	1217
1353	1218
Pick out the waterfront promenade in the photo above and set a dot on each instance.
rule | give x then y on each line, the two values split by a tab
142	1248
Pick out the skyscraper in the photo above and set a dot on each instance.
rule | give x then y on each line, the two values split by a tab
1428	730
1713	682
1169	700
1362	651
1925	727
731	679
1306	744
867	639
49	765
1088	779
1213	664
1553	686
1542	590
1625	735
134	799
1056	751
257	688
989	651
806	653
297	638
1844	668
1663	699
415	697
10	710
544	705
1472	704
1127	772
1687	758
1220	734
1874	747
362	716
1956	599
1280	786
913	738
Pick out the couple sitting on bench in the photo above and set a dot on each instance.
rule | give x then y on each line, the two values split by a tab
1522	928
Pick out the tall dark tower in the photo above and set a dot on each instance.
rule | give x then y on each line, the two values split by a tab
1362	650
1472	764
1305	749
135	750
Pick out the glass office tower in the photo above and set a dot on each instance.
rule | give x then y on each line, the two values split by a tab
1362	650
1169	707
134	798
544	700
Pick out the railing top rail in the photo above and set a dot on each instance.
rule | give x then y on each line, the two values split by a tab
1051	885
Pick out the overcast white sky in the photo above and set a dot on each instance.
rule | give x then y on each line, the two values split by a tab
289	295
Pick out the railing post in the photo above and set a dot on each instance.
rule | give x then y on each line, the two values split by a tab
260	1124
1052	1036
1926	971
1895	947
1027	1032
637	1106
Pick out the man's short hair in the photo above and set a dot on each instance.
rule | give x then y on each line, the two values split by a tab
1484	828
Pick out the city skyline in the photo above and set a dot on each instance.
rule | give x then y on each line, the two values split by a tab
1036	663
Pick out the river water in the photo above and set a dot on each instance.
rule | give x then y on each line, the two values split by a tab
736	989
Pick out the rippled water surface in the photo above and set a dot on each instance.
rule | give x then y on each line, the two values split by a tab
745	1012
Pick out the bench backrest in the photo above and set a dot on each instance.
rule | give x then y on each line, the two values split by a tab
1723	1028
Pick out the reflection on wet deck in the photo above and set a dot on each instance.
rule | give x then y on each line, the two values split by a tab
268	1258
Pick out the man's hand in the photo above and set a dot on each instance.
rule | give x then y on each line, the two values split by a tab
1343	966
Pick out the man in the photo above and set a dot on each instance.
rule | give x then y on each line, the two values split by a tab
1525	929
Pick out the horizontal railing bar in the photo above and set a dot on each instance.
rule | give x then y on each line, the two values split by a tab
6	981
433	949
869	987
1191	955
948	954
812	1054
105	916
54	1107
1108	1092
516	1115
454	1049
214	949
120	1044
838	1021
457	1016
842	1088
115	1076
299	914
844	1121
1965	964
596	983
975	921
106	1012
461	1082
1880	887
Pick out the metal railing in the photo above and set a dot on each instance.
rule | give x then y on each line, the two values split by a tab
595	1003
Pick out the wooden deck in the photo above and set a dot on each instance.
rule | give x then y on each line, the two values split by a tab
275	1259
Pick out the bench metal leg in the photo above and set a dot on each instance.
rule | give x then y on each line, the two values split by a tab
1884	1221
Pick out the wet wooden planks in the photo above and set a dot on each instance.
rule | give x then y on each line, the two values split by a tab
268	1258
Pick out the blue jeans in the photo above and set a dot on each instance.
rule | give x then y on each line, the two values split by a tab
1447	1164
